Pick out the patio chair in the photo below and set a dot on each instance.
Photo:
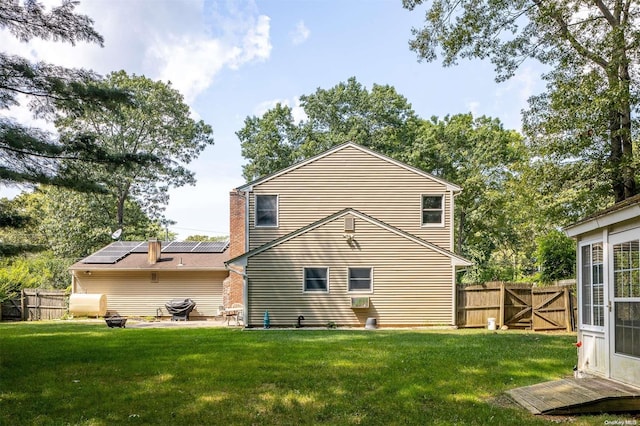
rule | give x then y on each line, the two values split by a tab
239	313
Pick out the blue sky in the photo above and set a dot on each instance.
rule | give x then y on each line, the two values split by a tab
233	59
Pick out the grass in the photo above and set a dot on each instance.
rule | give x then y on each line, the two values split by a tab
61	373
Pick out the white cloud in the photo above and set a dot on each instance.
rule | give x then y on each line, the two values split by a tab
300	34
171	40
473	107
297	111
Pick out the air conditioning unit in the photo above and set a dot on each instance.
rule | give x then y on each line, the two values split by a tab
359	302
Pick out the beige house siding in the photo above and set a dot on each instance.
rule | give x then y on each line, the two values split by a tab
133	294
351	178
412	284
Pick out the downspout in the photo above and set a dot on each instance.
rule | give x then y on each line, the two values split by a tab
454	284
245	279
246	221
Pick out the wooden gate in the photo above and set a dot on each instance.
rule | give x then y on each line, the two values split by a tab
516	305
552	308
11	310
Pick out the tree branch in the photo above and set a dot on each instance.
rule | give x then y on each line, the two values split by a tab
567	35
607	13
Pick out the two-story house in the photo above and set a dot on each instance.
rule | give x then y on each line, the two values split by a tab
342	237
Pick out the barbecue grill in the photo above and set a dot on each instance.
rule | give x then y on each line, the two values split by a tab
180	309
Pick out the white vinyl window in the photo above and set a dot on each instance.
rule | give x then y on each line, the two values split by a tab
266	210
592	283
432	210
626	296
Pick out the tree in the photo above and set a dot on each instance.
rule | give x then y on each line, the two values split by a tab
31	155
158	125
270	143
72	225
556	256
592	48
380	119
220	238
485	160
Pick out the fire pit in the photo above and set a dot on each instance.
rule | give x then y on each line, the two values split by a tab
180	309
116	321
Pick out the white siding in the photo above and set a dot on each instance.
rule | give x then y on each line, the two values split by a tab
133	293
593	353
412	283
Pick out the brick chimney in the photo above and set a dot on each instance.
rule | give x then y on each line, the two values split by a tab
155	249
233	286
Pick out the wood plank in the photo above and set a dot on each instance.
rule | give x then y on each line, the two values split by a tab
574	396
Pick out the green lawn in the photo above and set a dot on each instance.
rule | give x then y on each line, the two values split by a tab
77	373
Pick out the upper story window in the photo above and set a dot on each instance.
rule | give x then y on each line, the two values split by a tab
432	210
266	210
361	279
592	282
316	279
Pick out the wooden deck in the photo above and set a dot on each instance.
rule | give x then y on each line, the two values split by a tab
576	396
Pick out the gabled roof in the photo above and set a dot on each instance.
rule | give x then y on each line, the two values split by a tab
456	259
133	256
619	212
249	186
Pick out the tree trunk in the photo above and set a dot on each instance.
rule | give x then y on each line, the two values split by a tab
628	169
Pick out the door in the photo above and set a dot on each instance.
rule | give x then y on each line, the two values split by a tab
624	309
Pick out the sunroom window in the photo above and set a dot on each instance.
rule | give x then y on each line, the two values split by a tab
592	282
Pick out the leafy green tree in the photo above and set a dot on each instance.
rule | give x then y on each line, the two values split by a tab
586	115
270	142
72	224
556	256
158	125
44	270
485	160
380	119
30	155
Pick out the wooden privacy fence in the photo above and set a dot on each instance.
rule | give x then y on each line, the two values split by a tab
36	304
517	306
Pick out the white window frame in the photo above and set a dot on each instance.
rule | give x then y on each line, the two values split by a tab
442	210
255	210
614	240
370	291
304	280
590	243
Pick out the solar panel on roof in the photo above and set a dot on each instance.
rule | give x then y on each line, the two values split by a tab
120	249
210	247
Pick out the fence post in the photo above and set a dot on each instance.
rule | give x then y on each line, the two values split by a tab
567	309
22	306
502	294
